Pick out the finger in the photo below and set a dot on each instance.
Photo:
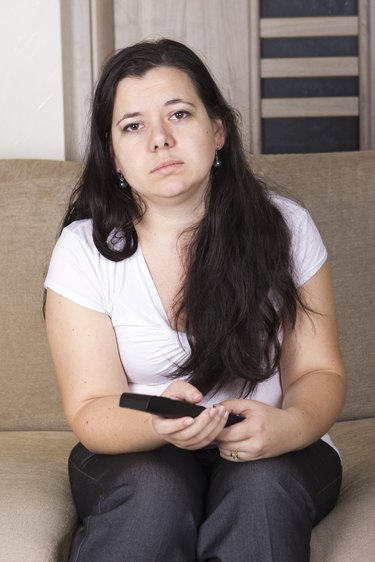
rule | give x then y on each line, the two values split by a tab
236	432
238	406
168	426
209	422
211	418
189	433
250	449
233	455
182	390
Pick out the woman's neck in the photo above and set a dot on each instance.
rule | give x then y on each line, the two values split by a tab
171	224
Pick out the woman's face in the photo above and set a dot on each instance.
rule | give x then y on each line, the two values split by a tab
163	140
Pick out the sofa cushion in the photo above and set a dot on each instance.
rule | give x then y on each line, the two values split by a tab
37	516
339	191
33	195
348	532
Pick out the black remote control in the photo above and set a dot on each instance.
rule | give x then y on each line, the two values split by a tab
167	407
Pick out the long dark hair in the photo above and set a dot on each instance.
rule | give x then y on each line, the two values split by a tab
239	292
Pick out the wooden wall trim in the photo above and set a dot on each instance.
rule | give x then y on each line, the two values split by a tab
77	73
371	114
364	74
103	33
305	67
367	74
254	79
310	107
87	38
308	27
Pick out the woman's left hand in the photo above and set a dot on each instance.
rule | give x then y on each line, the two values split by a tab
312	377
265	432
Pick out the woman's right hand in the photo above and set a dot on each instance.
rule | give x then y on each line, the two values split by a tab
186	432
91	379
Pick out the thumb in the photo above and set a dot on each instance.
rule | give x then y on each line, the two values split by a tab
182	390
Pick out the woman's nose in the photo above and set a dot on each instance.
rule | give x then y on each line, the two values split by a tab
161	136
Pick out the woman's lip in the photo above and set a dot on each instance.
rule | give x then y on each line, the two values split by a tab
165	165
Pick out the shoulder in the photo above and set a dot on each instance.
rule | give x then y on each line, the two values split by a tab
78	231
297	217
77	241
80	234
293	213
78	271
307	247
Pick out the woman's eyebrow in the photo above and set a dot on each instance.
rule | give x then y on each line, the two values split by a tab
128	116
178	100
167	103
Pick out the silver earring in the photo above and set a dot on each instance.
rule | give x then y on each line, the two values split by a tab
122	181
217	161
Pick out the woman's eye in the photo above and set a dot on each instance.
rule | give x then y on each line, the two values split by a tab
132	128
180	115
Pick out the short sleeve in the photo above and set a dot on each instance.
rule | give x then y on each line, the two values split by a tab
75	270
308	250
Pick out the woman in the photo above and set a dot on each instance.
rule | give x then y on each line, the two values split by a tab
179	274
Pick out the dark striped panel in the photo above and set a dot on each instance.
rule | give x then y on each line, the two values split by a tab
309	87
301	135
309	47
307	8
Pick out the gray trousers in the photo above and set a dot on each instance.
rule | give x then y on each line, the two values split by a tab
172	505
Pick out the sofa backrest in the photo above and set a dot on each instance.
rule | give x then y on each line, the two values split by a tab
33	195
339	191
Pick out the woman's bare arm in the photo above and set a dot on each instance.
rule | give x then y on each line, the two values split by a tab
313	382
312	370
91	379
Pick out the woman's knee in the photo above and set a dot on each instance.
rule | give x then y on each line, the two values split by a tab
165	478
307	481
145	503
266	508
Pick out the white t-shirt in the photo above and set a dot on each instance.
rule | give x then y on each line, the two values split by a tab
149	348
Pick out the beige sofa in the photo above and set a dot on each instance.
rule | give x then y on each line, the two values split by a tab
37	517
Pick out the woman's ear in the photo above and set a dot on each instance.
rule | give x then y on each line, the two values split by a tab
116	164
219	132
112	156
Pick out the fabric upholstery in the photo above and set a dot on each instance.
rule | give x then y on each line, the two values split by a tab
37	517
339	190
348	532
33	196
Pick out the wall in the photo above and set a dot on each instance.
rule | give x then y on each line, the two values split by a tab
31	95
